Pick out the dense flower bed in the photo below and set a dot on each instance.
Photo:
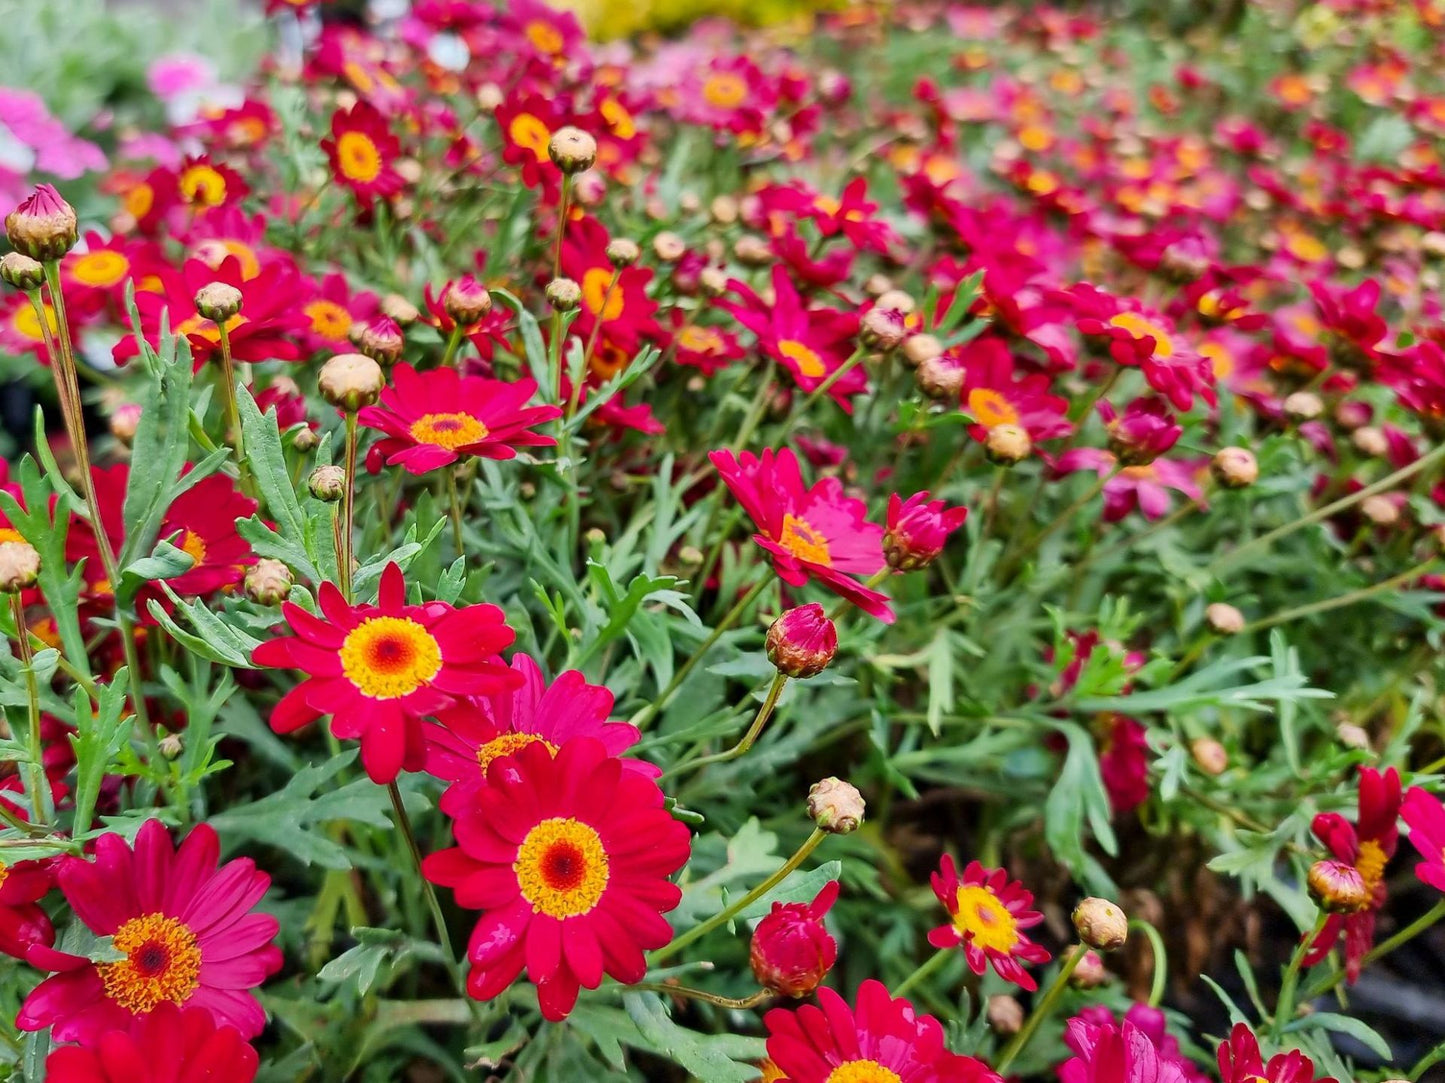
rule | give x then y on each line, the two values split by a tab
897	553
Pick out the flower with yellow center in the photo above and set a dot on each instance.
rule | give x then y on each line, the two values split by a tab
357	157
202	185
863	1071
600	296
162	964
390	657
101	268
725	90
508	744
450	431
699	339
545	37
989	408
808	362
562	867
328	320
988	914
1371	863
531	134
984	919
26	323
1139	327
804	541
139	200
194	546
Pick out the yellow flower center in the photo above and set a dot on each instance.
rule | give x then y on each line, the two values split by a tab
807	360
599	295
771	1072
1371	863
390	657
9	534
562	868
1305	248
450	431
201	327
990	408
4	873
531	134
357	157
1221	361
1139	473
194	546
618	118
984	919
863	1071
328	319
202	184
1139	327
139	200
725	90
102	268
545	37
804	541
162	963
1036	137
699	339
27	323
507	744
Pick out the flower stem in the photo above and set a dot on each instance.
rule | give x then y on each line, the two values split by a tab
1063	517
731	911
1284	1008
456	501
1041	1011
1161	960
827	385
453	341
32	695
1404	936
348	513
765	712
575	399
562	211
1341	600
741	1004
925	969
233	413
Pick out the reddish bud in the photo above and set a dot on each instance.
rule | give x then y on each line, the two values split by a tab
466	300
44	226
802	642
917	530
1338	887
791	951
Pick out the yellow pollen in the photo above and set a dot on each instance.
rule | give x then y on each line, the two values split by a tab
990	408
450	431
4	873
9	534
1139	327
1221	361
162	963
805	542
725	90
194	546
562	868
771	1072
1371	863
328	319
1306	248
357	157
545	37
863	1071
618	118
984	919
599	295
27	323
699	339
204	185
529	132
807	360
390	657
100	268
139	200
507	744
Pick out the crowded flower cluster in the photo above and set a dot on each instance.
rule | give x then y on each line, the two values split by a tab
901	548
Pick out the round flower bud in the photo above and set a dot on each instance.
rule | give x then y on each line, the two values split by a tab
563	294
713	281
1234	467
1101	924
572	150
21	271
589	188
19	566
1090	973
350	381
305	440
268	581
380	339
171	745
835	806
897	300
395	306
622	252
1380	509
1007	445
1353	736
791	952
882	328
920	348
44	226
1303	406
218	301
1005	1014
876	285
1371	441
327	483
802	642
940	378
124	421
723	210
1210	756
668	247
1351	414
1224	619
1338	887
466	300
752	251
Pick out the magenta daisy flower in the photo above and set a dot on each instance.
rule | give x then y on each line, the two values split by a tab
989	913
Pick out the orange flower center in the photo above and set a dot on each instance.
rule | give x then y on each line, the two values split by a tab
27	323
162	963
507	744
725	90
990	408
194	546
1371	863
530	133
863	1071
102	268
599	295
804	541
807	360
9	534
4	873
328	319
545	37
562	868
202	184
983	918
139	200
1139	327
1221	361
771	1072
357	157
203	328
450	431
214	251
1305	248
390	657
699	339
618	118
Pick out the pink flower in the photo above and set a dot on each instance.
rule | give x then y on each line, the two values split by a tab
917	530
1145	431
1426	818
1143	487
1113	1053
1240	1062
988	913
167	1046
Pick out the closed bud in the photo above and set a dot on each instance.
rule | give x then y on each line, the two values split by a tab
1090	972
723	210
1303	406
1370	440
1234	467
19	566
1351	414
350	381
124	422
622	252
668	247
1224	619
835	806
1007	445
572	150
305	440
563	294
466	301
920	348
917	529
1338	887
802	642
882	328
21	271
1005	1014
1101	924
218	301
171	745
327	483
1210	756
1352	735
268	582
44	226
940	378
752	251
589	188
791	951
395	306
380	339
876	285
897	300
713	281
1380	509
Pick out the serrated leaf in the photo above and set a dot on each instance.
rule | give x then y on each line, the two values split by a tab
712	1058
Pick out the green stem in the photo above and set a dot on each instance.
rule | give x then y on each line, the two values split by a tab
348	506
741	1004
731	911
562	211
456	502
1041	1012
826	386
575	399
1284	1009
1404	936
925	969
233	412
1161	960
453	341
765	712
1063	517
32	696
1341	600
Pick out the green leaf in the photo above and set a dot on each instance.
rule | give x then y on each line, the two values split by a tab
1078	798
166	562
214	639
801	887
1357	1029
531	332
267	462
712	1058
46	529
98	738
940	680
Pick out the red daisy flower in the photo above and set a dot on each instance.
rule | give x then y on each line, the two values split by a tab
568	857
1240	1062
22	921
917	530
95	272
1426	819
182	924
1144	487
995	393
202	183
527	124
624	309
1124	762
167	1046
1368	844
333	311
431	419
880	1040
362	151
811	533
1354	329
467	737
376	669
989	913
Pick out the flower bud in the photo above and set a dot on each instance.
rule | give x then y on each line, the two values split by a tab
1101	924
940	378
1234	467
713	281
379	339
1351	414
920	348
572	150
1007	445
802	642
1090	972
881	328
1005	1014
876	285
835	806
563	294
268	582
791	951
466	300
1338	887
327	483
668	247
752	251
1370	440
1352	735
44	226
19	566
171	746
1224	619
124	422
723	210
350	381
218	301
622	252
1303	406
1380	509
21	271
897	300
1210	756
396	307
917	529
305	440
